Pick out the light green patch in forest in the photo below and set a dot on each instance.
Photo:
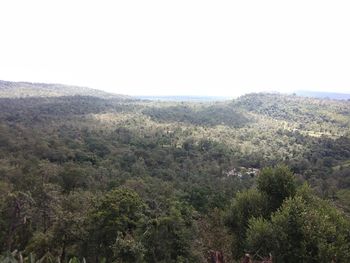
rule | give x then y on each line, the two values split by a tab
344	164
343	200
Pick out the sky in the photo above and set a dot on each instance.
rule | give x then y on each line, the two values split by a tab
203	48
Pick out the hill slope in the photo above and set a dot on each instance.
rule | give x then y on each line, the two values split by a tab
9	89
93	176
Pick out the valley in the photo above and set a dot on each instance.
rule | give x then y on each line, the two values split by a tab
93	175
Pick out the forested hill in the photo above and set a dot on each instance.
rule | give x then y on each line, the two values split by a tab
9	89
110	179
300	110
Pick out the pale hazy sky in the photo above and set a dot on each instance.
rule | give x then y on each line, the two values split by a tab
178	47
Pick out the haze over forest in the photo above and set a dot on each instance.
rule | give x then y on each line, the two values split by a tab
192	48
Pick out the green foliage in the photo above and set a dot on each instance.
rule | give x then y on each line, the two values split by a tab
41	244
17	257
343	200
277	184
304	229
127	249
118	214
72	178
168	238
15	224
8	258
217	114
122	180
260	236
246	205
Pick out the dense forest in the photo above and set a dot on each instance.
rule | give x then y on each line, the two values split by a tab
87	176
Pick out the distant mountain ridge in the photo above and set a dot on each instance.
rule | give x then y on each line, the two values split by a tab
180	98
323	95
10	89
